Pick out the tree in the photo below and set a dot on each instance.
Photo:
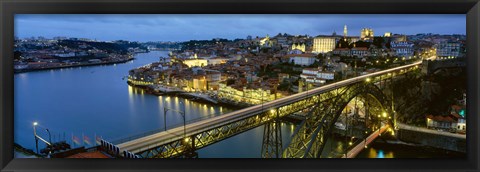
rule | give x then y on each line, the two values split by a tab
16	55
361	44
378	42
230	81
388	45
342	44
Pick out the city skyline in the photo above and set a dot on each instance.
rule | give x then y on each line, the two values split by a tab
181	27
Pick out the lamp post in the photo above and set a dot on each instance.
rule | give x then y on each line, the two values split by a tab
49	135
184	120
35	134
165	113
182	113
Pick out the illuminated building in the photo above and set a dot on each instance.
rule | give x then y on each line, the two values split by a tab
298	46
345	32
323	44
266	42
387	34
195	62
217	60
366	34
199	83
247	95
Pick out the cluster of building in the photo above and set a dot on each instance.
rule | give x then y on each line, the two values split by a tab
453	121
43	53
241	71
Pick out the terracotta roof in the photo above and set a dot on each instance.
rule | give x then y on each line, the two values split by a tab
456	107
300	55
441	118
455	115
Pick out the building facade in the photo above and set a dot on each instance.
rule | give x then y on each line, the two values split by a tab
200	62
403	48
323	44
448	49
302	59
366	34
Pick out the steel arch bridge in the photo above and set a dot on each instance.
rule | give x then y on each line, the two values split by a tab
310	137
325	103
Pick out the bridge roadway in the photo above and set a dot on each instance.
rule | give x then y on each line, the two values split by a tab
352	153
175	134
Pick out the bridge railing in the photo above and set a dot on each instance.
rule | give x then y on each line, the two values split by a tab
147	133
249	112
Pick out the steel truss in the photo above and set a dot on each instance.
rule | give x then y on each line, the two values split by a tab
272	139
308	140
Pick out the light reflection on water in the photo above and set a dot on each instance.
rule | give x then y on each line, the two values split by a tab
92	100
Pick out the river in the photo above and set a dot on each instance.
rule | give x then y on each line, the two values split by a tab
96	101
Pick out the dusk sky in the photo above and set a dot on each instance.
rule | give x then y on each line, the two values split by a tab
182	27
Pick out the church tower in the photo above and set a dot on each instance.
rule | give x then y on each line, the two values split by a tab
345	31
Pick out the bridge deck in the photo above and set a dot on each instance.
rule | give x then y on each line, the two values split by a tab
175	134
359	147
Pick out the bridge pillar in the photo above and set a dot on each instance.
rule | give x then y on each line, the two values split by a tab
272	138
189	144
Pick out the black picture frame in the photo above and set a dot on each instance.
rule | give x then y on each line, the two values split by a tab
8	8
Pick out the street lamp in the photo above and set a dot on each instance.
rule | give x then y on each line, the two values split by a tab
35	134
165	110
49	135
184	121
165	113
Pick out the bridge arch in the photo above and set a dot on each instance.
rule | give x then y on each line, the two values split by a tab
310	137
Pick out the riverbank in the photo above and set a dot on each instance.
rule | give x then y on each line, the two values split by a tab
73	66
163	91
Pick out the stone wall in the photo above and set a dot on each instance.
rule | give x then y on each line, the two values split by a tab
429	139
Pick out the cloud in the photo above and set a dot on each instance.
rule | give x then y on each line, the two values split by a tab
181	27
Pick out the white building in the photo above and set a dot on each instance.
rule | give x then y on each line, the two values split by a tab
195	62
70	54
316	75
302	59
448	49
402	48
217	60
323	44
326	75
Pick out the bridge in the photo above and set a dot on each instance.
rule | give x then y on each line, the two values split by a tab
431	66
324	104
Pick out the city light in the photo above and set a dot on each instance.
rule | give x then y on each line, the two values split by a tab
279	82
